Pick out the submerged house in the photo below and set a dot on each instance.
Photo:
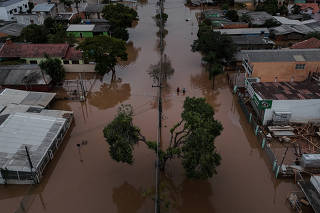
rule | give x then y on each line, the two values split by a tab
276	102
88	30
26	153
25	77
35	53
277	65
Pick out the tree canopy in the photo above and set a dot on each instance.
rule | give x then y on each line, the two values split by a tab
216	49
118	14
34	33
54	68
49	32
105	51
271	23
214	43
269	6
120	17
232	15
191	139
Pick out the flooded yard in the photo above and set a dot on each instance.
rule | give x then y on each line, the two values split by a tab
88	180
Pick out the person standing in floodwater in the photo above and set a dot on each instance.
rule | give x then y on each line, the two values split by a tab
184	91
178	90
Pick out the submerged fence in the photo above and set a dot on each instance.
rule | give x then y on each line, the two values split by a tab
262	139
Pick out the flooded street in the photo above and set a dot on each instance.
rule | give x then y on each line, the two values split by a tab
88	180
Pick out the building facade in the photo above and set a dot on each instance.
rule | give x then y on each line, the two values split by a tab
280	65
10	7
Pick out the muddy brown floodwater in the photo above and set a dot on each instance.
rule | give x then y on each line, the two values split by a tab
89	181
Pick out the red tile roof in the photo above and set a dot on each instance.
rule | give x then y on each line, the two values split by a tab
307	44
313	6
22	50
73	54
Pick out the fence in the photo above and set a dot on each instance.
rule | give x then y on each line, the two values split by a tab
262	139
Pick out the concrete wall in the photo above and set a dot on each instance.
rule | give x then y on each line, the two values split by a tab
302	111
5	11
27	19
79	67
283	71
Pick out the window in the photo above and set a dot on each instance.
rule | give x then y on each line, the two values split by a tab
66	62
75	62
300	66
33	62
15	10
25	6
10	11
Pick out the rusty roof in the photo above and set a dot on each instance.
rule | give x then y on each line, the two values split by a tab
307	44
287	90
24	50
73	54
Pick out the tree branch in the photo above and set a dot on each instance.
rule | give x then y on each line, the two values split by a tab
174	129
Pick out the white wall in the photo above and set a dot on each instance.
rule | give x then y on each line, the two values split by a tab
302	111
28	19
5	11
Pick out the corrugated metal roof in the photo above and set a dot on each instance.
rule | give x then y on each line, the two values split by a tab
37	132
9	2
12	96
80	28
243	31
43	7
25	74
280	55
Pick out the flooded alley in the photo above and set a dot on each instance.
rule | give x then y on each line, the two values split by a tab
87	180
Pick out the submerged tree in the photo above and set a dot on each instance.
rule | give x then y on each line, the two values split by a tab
54	68
156	73
120	17
216	49
191	140
105	51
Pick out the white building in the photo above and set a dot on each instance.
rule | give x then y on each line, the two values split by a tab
10	7
275	102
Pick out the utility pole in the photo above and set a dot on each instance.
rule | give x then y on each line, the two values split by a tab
161	27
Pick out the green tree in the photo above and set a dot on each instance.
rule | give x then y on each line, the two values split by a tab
191	139
164	18
216	49
119	32
54	68
269	6
245	18
120	15
34	33
31	6
313	35
232	15
105	51
211	42
296	9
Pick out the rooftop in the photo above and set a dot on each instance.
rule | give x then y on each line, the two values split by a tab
287	90
284	20
101	28
286	29
73	54
5	3
12	29
43	7
313	6
250	39
12	96
281	55
24	50
80	28
259	17
26	74
94	8
18	130
307	44
243	31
